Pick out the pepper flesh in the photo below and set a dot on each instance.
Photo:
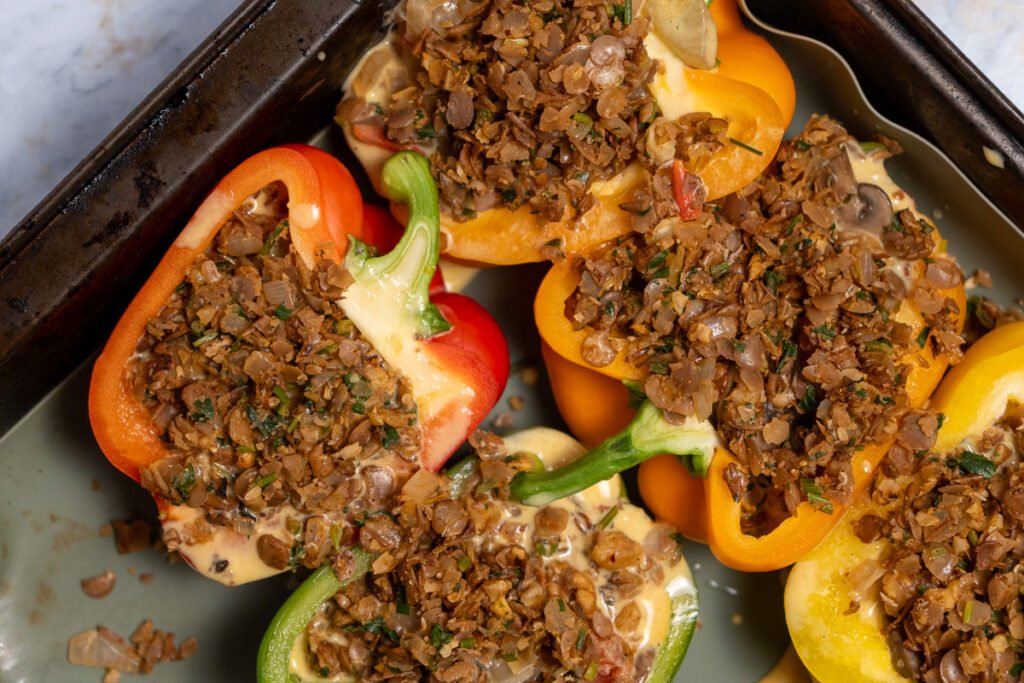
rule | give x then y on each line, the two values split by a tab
834	644
450	350
325	207
746	56
666	487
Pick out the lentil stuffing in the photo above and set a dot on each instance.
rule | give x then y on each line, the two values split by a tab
529	102
772	314
268	397
469	587
951	577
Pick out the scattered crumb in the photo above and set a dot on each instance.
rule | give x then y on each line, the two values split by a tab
983	278
106	530
503	421
131	571
132	536
516	403
147	647
146	578
321	56
95	485
99	586
736	619
994	157
530	376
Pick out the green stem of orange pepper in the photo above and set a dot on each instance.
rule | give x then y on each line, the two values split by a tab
649	434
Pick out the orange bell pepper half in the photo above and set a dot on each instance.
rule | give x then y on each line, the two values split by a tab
324	209
752	89
503	237
667	487
748	57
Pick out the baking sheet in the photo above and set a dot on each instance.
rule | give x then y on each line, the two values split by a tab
57	490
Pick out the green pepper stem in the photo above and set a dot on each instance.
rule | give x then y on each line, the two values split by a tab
273	662
411	264
649	434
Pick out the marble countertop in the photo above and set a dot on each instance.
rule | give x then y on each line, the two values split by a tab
76	68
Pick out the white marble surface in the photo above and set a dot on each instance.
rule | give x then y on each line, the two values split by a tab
71	70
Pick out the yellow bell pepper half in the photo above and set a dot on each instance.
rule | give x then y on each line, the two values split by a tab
839	646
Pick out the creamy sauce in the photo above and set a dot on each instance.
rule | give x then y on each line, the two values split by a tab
556	448
870	168
227	545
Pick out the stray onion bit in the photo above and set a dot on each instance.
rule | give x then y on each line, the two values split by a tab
99	586
104	649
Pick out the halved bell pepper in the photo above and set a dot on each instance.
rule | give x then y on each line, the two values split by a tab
324	208
449	348
757	120
668	488
746	56
834	643
279	653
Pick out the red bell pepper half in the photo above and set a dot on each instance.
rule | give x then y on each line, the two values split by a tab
451	350
447	346
325	207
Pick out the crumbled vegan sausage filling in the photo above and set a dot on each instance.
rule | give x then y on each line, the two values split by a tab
951	577
773	314
474	588
528	102
267	395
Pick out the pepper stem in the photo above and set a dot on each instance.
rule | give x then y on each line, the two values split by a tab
273	662
649	434
411	264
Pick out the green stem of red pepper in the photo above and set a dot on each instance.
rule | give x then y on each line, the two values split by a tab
412	263
450	350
